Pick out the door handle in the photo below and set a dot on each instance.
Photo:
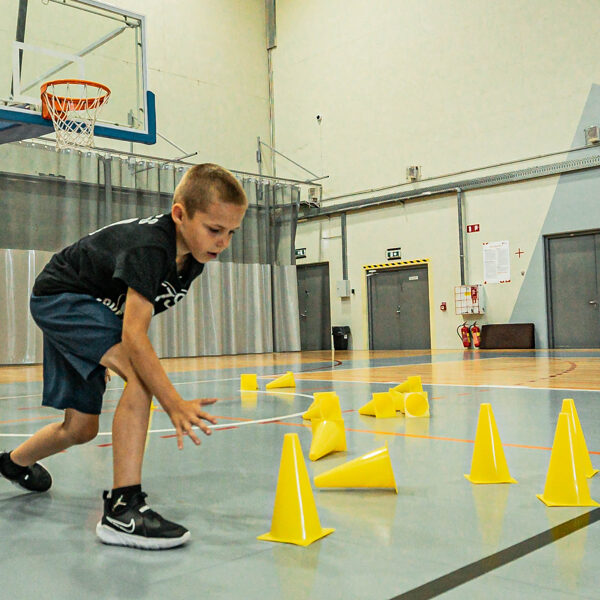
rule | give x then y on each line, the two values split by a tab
303	315
594	302
397	310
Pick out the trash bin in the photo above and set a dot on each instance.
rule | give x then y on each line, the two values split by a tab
340	337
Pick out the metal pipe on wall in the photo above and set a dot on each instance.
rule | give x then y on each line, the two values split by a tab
461	234
344	248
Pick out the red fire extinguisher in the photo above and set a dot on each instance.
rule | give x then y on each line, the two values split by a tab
464	334
476	333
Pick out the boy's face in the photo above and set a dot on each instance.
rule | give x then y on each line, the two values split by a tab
207	233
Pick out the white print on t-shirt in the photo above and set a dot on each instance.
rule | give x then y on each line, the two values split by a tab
172	296
147	221
117	307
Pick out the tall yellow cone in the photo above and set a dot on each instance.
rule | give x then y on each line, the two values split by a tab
489	463
329	436
566	484
568	406
314	410
398	398
284	381
412	384
295	519
372	470
416	404
248	382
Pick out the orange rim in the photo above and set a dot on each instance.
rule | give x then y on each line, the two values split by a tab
65	103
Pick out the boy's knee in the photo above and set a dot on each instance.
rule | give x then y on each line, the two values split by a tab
83	433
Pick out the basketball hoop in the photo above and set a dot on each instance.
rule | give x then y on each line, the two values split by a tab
73	105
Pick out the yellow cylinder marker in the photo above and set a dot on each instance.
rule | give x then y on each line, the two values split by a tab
248	382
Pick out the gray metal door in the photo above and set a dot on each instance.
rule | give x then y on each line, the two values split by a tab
313	303
399	309
573	282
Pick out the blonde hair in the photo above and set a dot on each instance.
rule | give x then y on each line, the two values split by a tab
205	183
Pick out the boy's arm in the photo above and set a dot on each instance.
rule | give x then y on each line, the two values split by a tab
137	345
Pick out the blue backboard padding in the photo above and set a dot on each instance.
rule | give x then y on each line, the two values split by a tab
17	125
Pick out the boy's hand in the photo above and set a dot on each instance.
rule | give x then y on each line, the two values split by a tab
188	413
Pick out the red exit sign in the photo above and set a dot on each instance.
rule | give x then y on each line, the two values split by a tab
473	228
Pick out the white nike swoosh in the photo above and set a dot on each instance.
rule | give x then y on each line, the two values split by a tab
127	527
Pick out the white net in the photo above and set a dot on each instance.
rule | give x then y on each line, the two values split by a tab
73	107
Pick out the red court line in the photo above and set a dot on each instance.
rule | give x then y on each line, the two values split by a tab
103	445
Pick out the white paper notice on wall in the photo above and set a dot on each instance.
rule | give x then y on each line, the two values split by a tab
496	262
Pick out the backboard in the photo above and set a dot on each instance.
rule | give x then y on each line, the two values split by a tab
42	40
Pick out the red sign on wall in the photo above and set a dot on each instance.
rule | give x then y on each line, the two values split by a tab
473	228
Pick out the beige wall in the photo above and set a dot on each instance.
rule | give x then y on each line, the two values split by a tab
449	86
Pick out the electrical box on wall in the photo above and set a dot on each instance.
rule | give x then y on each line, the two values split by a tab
343	288
469	299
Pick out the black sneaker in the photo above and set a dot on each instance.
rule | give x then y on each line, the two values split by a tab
138	526
31	479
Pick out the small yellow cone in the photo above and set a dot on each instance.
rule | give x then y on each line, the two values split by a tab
372	470
314	410
416	404
295	519
489	463
284	381
566	484
329	436
384	405
368	409
248	382
398	398
412	384
568	406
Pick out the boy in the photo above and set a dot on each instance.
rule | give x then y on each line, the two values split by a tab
94	301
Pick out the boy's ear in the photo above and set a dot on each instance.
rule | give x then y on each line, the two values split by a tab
177	211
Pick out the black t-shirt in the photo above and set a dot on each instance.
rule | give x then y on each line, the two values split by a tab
136	253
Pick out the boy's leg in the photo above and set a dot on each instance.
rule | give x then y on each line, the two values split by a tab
20	466
77	428
127	520
130	423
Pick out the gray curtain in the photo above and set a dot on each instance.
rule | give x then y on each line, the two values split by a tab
246	302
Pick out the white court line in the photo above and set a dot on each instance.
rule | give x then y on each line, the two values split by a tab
215	427
465	385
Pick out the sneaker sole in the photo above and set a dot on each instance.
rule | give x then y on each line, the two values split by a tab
111	536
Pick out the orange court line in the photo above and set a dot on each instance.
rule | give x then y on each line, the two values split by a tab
409	435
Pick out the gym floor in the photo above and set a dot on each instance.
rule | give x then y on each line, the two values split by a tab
440	535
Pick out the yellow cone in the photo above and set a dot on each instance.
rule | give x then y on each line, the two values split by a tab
329	436
568	406
368	409
489	463
372	470
416	404
295	519
285	381
398	399
314	410
384	405
412	384
566	484
329	407
248	382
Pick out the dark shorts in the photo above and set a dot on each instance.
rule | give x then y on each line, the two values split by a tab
78	330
